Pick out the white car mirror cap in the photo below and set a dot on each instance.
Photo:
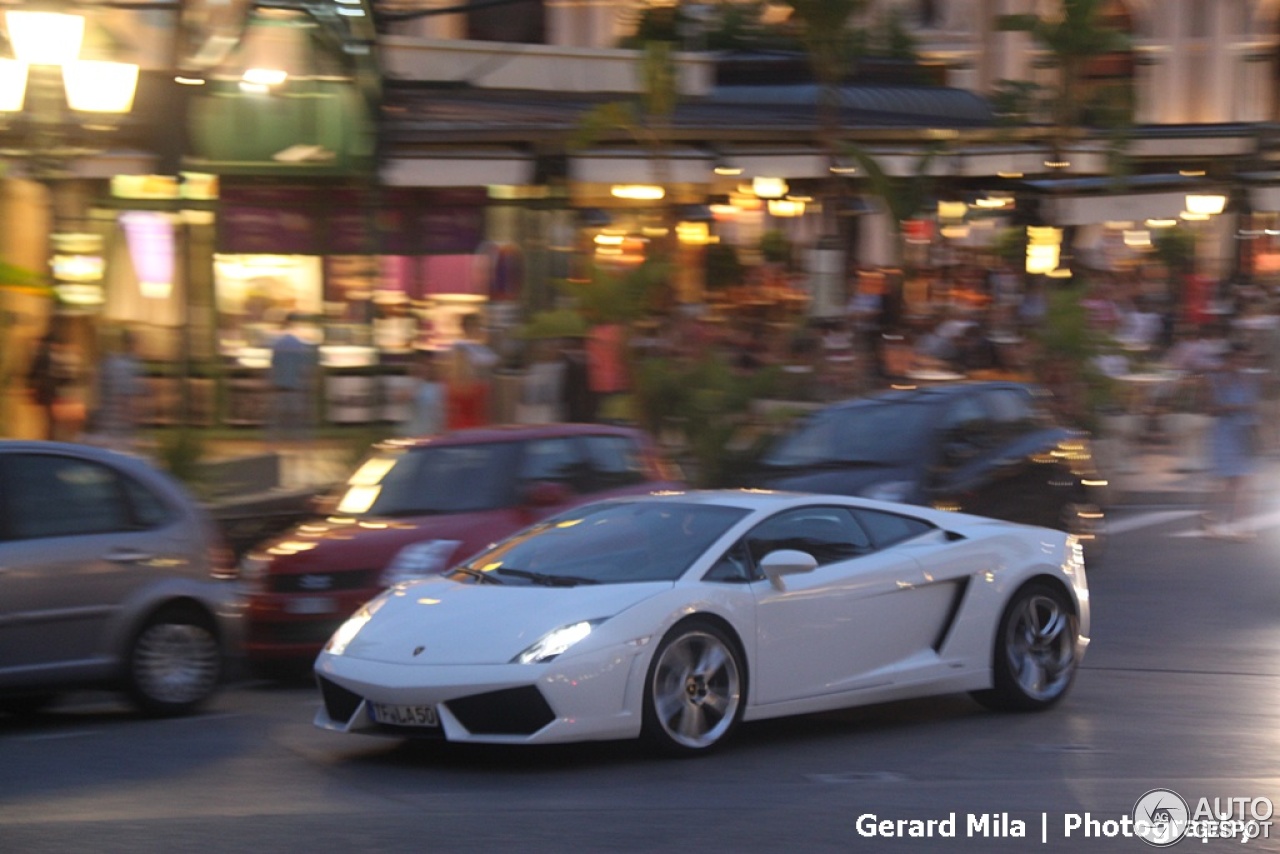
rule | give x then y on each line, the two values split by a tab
786	562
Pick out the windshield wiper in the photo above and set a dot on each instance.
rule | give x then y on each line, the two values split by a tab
482	577
546	580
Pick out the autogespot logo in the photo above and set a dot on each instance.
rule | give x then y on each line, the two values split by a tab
1160	817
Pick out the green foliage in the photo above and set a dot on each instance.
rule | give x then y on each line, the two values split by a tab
181	452
1015	102
824	31
708	403
12	275
1072	37
557	323
611	296
904	197
1176	248
657	24
1011	246
1068	345
888	37
1065	332
775	247
724	269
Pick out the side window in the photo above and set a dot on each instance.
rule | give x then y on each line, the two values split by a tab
734	566
559	460
1011	412
149	509
889	528
967	422
616	460
830	534
64	497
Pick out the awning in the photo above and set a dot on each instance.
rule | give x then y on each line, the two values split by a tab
682	166
1136	207
1095	199
467	168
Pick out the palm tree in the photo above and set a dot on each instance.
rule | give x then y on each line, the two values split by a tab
1073	37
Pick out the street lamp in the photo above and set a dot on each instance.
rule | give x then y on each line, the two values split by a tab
48	94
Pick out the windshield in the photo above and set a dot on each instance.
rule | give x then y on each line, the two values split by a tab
606	543
431	480
874	433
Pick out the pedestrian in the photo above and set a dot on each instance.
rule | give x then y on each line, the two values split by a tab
424	399
292	374
120	389
1233	398
49	379
470	377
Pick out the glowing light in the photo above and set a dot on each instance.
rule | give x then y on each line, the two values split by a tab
638	192
1206	204
769	188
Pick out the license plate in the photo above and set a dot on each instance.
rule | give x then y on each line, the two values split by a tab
311	605
405	715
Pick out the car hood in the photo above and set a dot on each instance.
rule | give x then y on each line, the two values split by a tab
326	545
441	621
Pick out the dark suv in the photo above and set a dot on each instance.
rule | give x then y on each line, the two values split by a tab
986	448
416	507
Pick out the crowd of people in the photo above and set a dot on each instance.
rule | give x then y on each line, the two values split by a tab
1216	349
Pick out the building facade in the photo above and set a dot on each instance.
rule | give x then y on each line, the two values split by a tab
386	168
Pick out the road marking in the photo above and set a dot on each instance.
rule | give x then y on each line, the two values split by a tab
1250	524
1147	520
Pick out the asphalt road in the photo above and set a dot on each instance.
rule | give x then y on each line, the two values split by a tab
1179	691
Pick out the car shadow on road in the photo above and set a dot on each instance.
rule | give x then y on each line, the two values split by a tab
751	740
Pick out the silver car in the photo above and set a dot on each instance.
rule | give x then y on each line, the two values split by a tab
110	575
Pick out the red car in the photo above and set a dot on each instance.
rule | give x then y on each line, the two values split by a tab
418	506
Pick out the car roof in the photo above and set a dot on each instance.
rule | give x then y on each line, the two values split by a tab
746	499
516	432
10	446
931	394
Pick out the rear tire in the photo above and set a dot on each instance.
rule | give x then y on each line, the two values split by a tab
695	691
1034	661
174	662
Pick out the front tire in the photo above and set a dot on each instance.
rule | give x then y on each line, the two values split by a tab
694	690
1035	651
174	663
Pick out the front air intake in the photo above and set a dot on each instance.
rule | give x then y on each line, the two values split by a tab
511	711
339	703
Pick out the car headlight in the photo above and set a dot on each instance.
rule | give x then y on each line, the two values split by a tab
419	560
556	642
346	633
890	490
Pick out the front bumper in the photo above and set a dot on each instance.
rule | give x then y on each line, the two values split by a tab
593	696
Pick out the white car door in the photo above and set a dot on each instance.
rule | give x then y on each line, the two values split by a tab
862	616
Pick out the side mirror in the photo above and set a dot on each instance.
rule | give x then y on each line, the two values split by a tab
785	562
547	493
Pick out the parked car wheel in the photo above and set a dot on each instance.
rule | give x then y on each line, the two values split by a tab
175	662
1035	652
694	690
